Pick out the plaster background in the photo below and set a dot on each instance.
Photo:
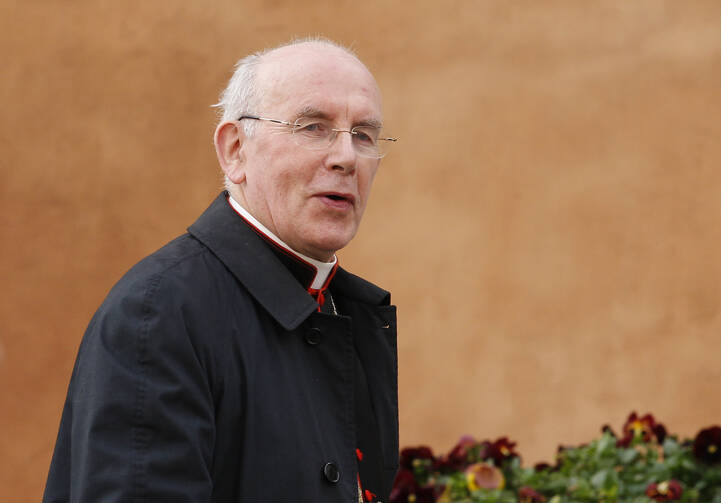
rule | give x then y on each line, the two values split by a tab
549	224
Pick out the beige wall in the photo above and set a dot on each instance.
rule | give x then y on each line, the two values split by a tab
550	223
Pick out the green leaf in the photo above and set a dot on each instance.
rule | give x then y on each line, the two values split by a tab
605	479
627	456
598	480
605	444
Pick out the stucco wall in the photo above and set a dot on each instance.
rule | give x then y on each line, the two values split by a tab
549	223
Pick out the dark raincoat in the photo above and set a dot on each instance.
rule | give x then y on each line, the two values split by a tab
208	375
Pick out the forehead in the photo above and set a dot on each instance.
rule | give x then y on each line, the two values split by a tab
316	77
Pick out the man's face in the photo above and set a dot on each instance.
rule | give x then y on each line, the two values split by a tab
311	199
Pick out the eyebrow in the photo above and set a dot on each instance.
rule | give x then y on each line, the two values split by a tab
314	113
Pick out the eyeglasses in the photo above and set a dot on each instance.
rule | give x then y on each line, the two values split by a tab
319	134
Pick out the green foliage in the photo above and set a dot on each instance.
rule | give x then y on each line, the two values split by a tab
635	469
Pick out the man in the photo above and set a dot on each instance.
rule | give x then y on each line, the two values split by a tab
239	363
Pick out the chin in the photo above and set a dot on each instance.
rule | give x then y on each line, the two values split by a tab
329	244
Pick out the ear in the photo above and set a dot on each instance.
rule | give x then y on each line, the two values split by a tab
228	139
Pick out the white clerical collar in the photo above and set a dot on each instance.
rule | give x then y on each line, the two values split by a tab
323	269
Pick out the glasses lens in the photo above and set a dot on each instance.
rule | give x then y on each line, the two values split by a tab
366	141
312	133
318	134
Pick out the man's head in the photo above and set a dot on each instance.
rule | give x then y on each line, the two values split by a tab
310	196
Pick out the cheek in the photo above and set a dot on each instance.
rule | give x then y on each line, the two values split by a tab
275	180
365	182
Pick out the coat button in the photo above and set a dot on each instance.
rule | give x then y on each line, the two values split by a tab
312	336
331	473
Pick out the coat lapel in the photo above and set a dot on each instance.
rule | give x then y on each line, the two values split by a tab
253	263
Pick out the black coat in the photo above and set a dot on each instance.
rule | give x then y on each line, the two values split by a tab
207	375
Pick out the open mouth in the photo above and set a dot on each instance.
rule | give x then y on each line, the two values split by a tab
340	201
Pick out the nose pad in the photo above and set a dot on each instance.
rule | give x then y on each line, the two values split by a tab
338	134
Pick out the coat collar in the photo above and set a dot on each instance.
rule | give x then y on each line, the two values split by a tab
259	269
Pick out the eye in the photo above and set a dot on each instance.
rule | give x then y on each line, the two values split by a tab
364	135
312	128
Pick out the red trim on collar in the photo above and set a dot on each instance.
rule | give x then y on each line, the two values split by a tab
317	294
272	241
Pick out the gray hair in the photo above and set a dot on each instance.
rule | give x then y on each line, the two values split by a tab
242	96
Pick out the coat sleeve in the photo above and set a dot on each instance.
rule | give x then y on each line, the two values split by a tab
138	422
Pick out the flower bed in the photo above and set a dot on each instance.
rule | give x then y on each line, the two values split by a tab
643	464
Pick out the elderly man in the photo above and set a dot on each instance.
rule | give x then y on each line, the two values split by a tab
239	363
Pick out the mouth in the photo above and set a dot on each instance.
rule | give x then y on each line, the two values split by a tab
338	200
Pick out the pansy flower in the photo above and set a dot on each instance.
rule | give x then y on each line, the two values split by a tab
502	450
668	490
528	495
467	451
644	428
484	476
406	489
707	445
414	457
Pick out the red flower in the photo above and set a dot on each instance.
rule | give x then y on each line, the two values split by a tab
414	456
502	450
707	445
539	467
644	428
466	451
405	489
669	490
528	495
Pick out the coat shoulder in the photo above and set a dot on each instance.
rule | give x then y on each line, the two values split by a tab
354	287
180	267
182	287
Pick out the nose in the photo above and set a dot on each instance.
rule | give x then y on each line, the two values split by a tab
342	155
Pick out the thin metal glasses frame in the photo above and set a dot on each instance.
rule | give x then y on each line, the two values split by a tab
335	130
